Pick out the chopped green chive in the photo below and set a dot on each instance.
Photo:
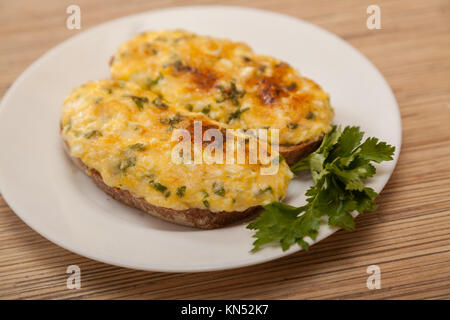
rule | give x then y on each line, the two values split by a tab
218	189
157	102
236	114
137	147
92	134
68	125
177	118
160	187
127	163
262	191
139	101
292	86
150	176
232	94
172	121
181	191
153	82
206	109
310	116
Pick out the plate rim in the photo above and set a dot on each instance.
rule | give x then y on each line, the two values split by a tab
243	263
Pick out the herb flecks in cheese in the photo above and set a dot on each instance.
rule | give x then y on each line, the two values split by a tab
225	81
131	149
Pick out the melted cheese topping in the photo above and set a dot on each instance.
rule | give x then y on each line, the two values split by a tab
226	81
124	132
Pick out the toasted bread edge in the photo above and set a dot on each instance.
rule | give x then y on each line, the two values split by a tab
193	217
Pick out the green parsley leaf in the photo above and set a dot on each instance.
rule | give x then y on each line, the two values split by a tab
376	151
339	168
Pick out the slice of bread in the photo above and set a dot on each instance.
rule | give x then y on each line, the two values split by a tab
229	83
194	217
294	153
233	88
116	135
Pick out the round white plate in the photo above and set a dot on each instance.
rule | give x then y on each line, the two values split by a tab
61	203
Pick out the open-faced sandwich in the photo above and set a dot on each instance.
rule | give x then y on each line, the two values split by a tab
230	84
120	135
119	131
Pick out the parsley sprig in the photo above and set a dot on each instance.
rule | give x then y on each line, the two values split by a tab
339	168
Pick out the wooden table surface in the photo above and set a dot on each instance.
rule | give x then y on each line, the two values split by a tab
407	237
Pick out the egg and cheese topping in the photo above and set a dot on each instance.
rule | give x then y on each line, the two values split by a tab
227	82
124	132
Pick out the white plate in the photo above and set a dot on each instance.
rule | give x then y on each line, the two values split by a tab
57	200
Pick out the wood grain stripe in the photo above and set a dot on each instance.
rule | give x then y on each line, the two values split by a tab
408	236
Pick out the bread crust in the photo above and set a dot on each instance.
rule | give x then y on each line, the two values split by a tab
194	217
294	153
